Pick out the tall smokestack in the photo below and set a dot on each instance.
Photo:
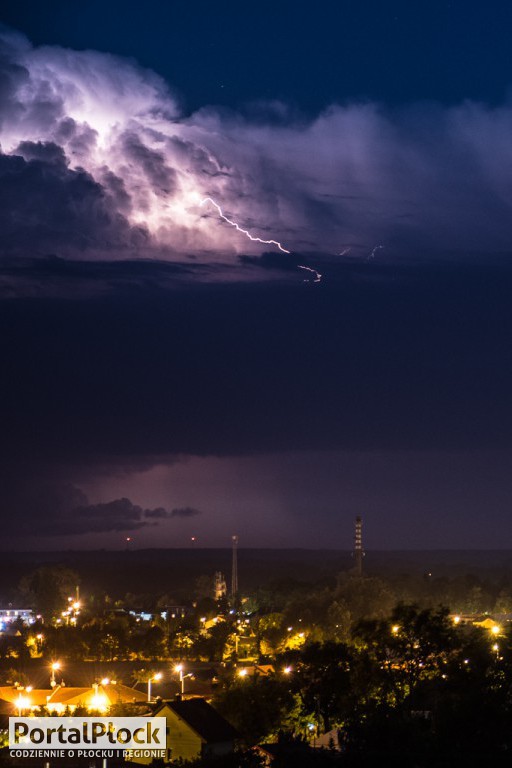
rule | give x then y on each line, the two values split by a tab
358	547
234	568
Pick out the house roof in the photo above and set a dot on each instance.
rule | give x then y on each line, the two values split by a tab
259	669
203	719
64	695
10	694
115	694
70	695
123	694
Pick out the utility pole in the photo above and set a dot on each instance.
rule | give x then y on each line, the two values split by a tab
234	568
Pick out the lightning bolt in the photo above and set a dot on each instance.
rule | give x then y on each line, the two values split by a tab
317	276
374	252
239	228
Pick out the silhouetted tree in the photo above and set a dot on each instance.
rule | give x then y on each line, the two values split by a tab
47	589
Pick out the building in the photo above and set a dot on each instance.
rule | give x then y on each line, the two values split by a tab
220	588
9	615
176	612
60	699
194	730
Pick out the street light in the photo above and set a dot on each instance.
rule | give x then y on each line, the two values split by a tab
54	667
179	669
154	678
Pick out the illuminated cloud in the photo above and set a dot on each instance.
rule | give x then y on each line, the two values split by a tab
99	162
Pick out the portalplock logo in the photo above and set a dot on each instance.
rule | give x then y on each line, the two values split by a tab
85	733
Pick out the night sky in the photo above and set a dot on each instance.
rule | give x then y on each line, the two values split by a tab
344	349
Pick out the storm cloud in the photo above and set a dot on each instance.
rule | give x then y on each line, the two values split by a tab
114	169
117	515
50	506
44	202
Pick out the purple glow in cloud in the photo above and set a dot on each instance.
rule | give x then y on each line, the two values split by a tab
98	162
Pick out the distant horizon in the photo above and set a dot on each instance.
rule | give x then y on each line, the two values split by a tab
175	572
250	549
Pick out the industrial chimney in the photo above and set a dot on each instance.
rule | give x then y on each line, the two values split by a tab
358	547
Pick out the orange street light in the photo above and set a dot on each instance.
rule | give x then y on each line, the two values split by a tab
54	667
153	679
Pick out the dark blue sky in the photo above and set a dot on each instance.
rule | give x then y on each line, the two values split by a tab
309	54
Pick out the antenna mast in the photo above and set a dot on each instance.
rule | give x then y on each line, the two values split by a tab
234	568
